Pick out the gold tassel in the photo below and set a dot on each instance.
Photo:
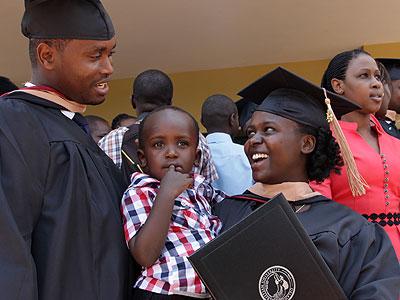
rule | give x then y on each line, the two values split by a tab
356	182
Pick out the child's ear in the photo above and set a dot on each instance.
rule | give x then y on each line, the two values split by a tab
142	158
308	143
197	159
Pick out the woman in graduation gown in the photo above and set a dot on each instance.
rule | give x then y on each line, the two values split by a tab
289	144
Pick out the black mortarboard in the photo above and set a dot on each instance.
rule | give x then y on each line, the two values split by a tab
66	19
245	110
285	94
392	65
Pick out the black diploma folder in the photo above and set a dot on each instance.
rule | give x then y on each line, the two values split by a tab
268	255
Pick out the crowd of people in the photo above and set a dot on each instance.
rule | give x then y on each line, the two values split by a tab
91	210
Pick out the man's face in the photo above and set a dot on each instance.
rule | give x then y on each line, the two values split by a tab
82	70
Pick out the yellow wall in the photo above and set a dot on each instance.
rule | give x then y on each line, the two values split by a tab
391	50
192	88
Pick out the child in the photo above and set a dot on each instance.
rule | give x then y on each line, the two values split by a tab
167	213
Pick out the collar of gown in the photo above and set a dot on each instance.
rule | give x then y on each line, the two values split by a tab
292	191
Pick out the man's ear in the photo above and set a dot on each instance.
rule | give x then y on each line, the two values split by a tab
232	120
142	158
308	144
46	55
133	101
197	159
338	86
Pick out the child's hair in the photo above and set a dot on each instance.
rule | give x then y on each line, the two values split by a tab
337	67
162	108
326	155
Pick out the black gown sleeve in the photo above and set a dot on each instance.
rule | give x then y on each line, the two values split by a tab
22	175
369	266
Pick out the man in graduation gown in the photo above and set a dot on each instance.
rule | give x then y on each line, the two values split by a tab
60	226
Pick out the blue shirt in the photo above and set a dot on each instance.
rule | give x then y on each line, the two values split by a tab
233	168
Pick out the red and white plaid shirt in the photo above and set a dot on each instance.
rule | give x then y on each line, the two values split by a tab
192	226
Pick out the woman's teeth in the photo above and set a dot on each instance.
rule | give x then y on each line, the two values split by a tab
257	156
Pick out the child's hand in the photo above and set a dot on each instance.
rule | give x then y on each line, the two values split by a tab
174	183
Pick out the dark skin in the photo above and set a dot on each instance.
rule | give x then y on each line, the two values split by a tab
276	149
80	71
99	130
362	85
230	126
168	154
128	122
381	113
394	103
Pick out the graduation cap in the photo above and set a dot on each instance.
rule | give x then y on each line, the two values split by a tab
295	98
392	65
66	19
245	110
286	94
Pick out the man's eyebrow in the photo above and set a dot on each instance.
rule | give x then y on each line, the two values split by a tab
100	48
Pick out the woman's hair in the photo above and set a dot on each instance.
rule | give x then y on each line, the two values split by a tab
337	67
326	155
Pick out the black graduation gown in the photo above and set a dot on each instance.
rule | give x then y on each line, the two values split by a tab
390	127
359	254
60	225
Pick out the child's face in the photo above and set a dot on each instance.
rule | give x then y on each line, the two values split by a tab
170	139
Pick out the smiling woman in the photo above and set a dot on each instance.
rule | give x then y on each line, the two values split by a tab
289	144
355	75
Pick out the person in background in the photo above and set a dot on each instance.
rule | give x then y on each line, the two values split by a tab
392	65
385	117
6	85
167	211
151	89
355	75
98	127
123	120
290	143
219	116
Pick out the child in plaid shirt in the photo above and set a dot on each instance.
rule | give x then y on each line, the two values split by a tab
167	213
